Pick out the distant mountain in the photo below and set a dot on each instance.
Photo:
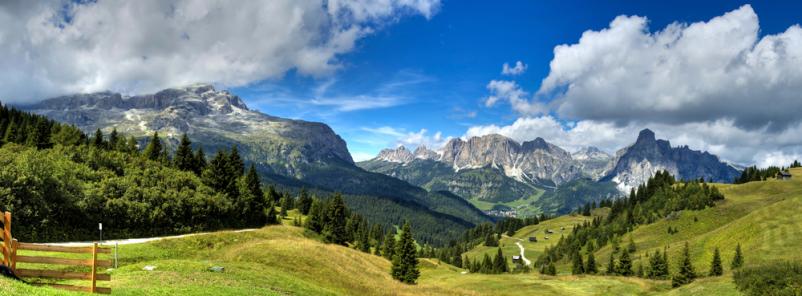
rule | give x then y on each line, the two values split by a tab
592	161
290	153
634	164
535	162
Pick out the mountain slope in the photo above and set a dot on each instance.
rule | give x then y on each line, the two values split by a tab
291	153
633	165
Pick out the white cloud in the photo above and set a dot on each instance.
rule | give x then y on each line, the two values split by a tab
699	72
505	90
59	46
360	102
721	137
518	69
411	139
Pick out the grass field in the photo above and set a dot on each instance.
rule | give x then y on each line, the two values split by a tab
284	260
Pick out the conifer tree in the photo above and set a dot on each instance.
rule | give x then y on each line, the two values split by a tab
314	220
590	266
405	260
686	274
272	194
235	163
270	215
334	229
500	263
738	259
199	161
389	246
216	175
184	160
11	132
284	204
715	267
611	270
639	271
114	139
154	148
490	240
304	202
631	246
98	141
253	185
364	241
625	264
551	269
578	266
487	264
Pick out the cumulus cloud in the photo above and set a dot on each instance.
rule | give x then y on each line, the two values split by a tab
518	69
721	137
510	91
411	139
59	46
699	72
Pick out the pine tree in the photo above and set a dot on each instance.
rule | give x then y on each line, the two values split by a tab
490	240
487	264
389	246
639	271
364	240
235	163
611	270
625	264
272	194
631	246
686	274
270	215
314	220
11	132
154	148
738	259
334	229
98	141
551	269
285	205
304	202
251	201
715	267
216	175
199	161
405	260
590	266
500	263
254	186
184	160
658	266
114	139
578	266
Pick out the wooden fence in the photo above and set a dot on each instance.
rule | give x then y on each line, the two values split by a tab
10	259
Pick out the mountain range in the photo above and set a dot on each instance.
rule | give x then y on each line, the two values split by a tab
487	170
511	171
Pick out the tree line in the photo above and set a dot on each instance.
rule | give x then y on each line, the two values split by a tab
333	221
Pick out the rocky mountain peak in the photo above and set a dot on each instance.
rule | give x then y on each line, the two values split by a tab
399	155
645	136
424	153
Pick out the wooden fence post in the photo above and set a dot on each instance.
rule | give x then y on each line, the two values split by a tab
15	245
6	238
94	267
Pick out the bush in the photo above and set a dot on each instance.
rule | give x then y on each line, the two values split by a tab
774	279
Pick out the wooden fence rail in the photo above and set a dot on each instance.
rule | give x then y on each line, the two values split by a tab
10	258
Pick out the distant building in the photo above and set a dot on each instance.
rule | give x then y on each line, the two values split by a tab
532	239
784	175
516	259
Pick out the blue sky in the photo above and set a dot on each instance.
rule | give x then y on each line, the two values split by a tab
720	76
431	74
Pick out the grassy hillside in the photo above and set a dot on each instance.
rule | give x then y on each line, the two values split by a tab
283	260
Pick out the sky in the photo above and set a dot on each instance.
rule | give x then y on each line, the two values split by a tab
719	76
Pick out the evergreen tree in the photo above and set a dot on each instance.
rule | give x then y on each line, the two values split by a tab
639	271
98	141
270	215
611	270
715	267
487	264
686	274
254	186
625	264
551	269
314	220
405	260
154	148
184	160
285	205
251	200
590	266
500	263
272	194
658	266
216	175
364	240
235	163
334	229
631	246
490	240
389	246
738	259
114	140
200	161
304	202
11	132
578	266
